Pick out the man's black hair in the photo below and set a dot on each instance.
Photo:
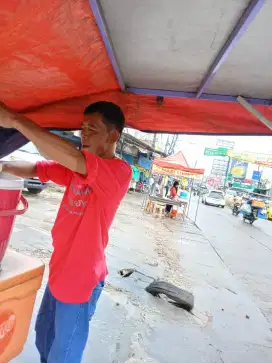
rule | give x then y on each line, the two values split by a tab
111	113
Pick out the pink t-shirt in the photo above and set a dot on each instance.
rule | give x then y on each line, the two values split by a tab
80	232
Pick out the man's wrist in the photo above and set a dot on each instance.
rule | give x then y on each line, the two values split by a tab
3	167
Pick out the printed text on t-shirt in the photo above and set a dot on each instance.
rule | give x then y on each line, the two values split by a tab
76	204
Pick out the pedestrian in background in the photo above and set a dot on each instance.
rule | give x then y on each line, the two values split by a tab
151	185
173	195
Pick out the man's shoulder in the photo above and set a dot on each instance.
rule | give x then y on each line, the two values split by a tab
118	165
120	171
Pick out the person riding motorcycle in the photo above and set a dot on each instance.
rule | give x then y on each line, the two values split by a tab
237	203
252	214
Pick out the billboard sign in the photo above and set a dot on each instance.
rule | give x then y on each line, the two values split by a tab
214	182
256	175
144	162
225	143
238	169
220	166
259	159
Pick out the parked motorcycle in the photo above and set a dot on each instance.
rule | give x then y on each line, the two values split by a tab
142	187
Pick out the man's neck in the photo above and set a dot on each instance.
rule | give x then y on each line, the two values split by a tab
109	154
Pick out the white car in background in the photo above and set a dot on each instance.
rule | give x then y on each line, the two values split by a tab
30	153
215	198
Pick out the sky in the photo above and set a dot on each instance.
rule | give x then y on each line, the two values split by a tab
193	147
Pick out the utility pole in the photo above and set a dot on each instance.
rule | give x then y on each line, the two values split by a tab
167	144
173	144
154	141
227	173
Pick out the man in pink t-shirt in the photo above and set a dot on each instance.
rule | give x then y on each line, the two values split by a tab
95	181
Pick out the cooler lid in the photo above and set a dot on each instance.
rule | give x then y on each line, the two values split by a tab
10	182
17	269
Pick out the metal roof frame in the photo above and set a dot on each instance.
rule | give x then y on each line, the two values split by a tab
251	11
101	23
247	17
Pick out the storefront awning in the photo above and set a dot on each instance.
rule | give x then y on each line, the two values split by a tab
176	166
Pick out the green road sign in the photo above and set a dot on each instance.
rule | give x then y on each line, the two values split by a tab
220	151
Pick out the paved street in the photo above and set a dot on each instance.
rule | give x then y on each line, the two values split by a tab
131	326
246	250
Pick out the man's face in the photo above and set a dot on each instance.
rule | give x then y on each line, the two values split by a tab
96	137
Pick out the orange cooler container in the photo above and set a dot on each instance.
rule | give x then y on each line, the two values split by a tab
20	276
20	279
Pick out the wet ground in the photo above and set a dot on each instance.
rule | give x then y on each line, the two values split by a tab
246	250
226	269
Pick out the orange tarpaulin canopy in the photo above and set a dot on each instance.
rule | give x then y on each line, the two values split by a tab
176	166
53	63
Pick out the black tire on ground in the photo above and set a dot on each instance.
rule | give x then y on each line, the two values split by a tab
182	298
34	191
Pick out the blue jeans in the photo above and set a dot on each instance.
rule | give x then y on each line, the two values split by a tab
62	329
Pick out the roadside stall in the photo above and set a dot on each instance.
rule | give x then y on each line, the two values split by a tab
163	71
177	167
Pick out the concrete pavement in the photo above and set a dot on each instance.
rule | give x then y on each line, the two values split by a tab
245	249
130	326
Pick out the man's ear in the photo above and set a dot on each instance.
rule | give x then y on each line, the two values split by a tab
114	136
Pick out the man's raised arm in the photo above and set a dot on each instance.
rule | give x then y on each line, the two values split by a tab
22	169
49	144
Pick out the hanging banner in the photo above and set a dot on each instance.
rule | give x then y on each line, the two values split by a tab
214	181
238	169
175	173
144	162
143	170
259	159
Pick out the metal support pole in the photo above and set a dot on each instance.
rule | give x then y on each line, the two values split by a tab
122	146
254	112
227	172
198	202
189	202
102	25
192	95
